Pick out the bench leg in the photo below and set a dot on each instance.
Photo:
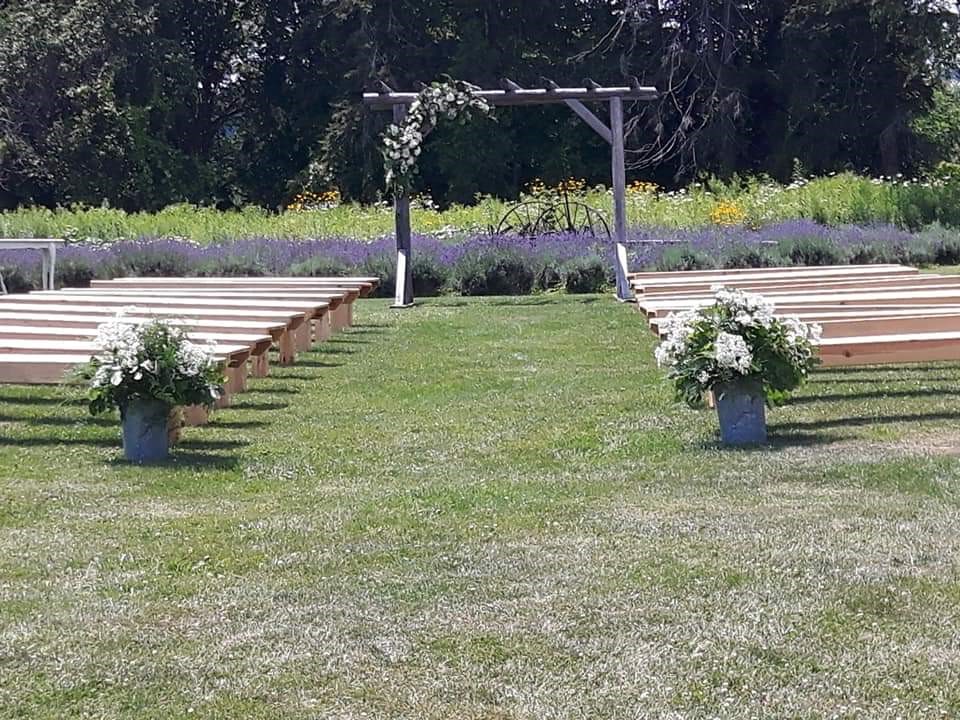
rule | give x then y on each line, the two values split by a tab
321	328
302	337
288	350
339	318
236	379
175	423
195	415
260	365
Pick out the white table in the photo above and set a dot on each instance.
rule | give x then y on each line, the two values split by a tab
47	247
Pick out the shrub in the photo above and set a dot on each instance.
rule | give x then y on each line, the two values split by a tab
429	276
384	267
231	266
159	259
684	258
319	266
590	274
493	272
748	256
549	277
812	251
75	273
945	244
15	279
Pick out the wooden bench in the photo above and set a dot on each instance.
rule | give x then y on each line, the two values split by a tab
295	335
340	301
234	356
316	307
365	285
200	329
869	321
784	271
885	349
789	304
258	344
340	317
909	285
805	285
902	319
55	368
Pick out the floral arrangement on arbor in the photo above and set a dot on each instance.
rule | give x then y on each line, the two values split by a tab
735	338
149	361
450	100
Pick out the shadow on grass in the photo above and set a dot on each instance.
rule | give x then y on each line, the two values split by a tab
183	456
871	395
42	441
863	421
445	303
46	441
555	299
329	348
872	373
293	375
777	440
260	390
46	401
237	424
69	421
313	364
258	406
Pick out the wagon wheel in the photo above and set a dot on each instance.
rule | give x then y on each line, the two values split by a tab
523	218
575	217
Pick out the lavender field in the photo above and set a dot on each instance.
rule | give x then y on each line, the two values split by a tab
495	264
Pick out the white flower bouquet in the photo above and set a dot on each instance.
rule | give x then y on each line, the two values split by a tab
150	361
736	338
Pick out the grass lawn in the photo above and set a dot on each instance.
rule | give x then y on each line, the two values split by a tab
487	509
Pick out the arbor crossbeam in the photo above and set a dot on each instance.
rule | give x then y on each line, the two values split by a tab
522	96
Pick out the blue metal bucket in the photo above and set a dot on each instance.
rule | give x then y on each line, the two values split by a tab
145	435
741	409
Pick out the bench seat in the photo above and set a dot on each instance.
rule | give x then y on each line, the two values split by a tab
885	349
364	285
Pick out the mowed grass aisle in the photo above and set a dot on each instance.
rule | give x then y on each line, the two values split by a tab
487	509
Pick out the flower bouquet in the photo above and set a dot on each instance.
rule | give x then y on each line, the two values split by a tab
146	369
738	350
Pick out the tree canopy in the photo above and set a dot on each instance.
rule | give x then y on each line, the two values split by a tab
143	103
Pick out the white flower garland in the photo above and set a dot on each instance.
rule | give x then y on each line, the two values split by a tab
402	144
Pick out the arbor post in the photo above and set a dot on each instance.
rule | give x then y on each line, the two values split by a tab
401	210
619	198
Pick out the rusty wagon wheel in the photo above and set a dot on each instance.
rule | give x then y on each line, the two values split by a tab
571	216
524	218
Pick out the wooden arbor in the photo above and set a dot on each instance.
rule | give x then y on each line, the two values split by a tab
512	94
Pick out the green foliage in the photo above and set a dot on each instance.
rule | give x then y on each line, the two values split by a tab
734	339
429	276
141	103
591	274
837	200
683	258
747	256
149	361
940	127
811	251
493	272
319	267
